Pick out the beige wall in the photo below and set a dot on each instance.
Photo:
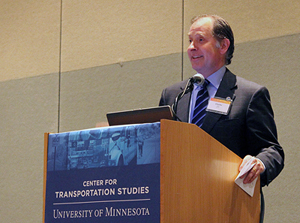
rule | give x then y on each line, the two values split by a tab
64	65
98	33
251	20
30	38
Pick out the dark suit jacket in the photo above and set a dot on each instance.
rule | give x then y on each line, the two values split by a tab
248	129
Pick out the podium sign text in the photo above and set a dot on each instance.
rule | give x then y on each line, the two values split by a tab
109	174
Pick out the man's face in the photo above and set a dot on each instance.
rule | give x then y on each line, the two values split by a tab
204	51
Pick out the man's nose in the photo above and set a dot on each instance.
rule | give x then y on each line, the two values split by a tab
191	46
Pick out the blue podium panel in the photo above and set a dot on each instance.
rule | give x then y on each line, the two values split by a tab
109	174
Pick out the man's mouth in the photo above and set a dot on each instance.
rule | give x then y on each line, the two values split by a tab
196	57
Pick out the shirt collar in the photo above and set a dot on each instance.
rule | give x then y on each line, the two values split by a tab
216	78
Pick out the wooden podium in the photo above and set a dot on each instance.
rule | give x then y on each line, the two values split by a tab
197	179
190	179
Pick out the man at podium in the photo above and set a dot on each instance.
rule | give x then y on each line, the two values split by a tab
235	111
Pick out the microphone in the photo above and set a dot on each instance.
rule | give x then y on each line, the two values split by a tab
197	78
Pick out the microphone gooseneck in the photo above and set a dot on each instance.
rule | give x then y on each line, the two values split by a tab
197	78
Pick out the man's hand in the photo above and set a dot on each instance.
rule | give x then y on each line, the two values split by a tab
256	170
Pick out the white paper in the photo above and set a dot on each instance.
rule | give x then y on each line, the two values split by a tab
248	188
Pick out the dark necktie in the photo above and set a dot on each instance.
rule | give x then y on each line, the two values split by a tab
201	105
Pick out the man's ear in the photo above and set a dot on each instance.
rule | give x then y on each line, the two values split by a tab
224	45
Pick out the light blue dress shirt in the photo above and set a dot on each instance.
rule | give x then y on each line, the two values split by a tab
214	83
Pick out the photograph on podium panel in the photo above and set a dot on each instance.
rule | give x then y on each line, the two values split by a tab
234	111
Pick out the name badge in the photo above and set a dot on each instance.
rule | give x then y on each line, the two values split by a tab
219	105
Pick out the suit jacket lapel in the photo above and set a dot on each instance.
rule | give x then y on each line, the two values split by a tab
225	90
